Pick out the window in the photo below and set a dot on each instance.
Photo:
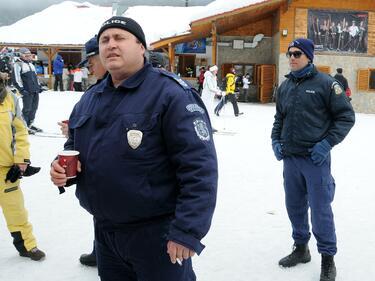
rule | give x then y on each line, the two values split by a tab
372	79
366	79
324	69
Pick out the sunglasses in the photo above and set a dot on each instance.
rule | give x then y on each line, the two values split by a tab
295	54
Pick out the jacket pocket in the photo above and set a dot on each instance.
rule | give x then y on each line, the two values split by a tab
78	121
81	136
140	135
325	190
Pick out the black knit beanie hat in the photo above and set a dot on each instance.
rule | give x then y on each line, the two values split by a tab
127	24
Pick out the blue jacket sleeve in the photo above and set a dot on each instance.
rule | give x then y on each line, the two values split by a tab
188	136
343	116
278	122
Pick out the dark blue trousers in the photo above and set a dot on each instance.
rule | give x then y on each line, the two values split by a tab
30	105
307	185
138	254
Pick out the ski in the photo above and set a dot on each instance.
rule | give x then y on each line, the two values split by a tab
48	135
225	133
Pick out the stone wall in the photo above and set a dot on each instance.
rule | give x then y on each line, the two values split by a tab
275	52
362	101
261	54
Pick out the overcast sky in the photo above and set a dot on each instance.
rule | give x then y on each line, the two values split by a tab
40	3
46	3
14	10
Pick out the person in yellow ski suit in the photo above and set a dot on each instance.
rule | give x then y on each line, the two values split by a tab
14	162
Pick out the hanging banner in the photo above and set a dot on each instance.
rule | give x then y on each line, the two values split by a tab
194	47
338	31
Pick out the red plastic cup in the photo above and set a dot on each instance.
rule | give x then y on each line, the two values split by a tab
68	159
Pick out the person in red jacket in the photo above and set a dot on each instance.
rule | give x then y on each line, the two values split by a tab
201	79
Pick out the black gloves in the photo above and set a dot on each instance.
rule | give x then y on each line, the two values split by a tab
16	173
30	170
13	174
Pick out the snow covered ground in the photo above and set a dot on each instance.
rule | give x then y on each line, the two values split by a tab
250	230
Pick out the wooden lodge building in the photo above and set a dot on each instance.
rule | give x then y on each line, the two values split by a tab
71	53
255	38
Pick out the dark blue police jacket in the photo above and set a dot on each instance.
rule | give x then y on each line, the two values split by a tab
309	110
147	151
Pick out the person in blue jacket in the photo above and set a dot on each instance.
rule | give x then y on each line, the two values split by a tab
58	65
26	81
312	116
148	166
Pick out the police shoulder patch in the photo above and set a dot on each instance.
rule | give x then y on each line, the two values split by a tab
337	88
193	107
201	129
176	78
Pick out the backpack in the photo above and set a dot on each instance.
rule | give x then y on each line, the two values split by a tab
5	65
223	84
239	81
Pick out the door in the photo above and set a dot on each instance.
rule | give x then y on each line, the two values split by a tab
265	75
225	68
186	65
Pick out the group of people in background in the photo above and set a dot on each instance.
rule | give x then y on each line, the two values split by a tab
211	90
76	77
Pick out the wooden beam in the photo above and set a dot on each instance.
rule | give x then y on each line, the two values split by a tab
171	55
214	43
50	56
162	43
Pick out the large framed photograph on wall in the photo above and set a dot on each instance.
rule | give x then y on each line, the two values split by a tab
338	31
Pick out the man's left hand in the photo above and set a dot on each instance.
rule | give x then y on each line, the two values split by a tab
177	251
320	151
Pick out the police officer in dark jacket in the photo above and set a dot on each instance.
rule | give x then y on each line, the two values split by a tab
147	160
312	116
97	69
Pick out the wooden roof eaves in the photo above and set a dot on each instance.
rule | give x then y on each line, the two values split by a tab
173	39
208	20
202	27
34	45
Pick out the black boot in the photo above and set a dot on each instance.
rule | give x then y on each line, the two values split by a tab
35	254
88	259
35	129
300	254
328	272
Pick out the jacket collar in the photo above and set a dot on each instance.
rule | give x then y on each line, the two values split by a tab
132	82
307	76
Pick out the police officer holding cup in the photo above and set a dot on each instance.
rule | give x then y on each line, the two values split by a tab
148	163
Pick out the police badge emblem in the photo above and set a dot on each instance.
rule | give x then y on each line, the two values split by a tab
337	88
201	129
134	138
